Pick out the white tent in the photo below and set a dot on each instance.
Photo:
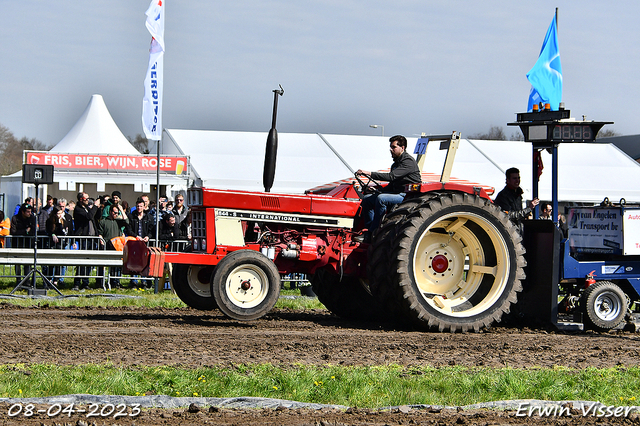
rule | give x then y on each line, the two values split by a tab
235	160
95	133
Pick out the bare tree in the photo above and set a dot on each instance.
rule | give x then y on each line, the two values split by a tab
495	134
140	143
516	136
11	150
608	133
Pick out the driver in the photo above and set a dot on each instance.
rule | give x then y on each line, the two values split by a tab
404	170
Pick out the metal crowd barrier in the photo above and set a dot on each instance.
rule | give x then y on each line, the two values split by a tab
88	255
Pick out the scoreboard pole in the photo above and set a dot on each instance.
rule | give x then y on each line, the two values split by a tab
547	129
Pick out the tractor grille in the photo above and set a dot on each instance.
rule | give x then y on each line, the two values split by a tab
198	224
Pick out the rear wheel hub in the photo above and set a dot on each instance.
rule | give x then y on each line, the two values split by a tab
439	263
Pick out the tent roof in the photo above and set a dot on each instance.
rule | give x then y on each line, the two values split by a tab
235	160
95	132
629	144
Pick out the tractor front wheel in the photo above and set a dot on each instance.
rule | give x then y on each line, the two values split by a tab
192	284
246	285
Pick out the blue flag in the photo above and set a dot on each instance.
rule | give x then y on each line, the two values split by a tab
546	75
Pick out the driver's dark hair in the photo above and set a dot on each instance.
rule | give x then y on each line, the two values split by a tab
511	171
401	140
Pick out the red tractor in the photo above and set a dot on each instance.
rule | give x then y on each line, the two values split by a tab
446	258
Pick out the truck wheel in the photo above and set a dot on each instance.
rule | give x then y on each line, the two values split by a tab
457	263
246	285
604	305
346	298
192	284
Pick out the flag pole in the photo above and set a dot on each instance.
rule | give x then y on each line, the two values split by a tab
152	101
554	167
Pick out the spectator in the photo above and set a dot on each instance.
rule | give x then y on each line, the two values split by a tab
185	227
27	200
84	226
43	215
180	210
111	227
141	227
58	226
71	206
61	204
115	200
169	230
562	225
23	229
125	207
100	202
140	222
23	225
5	228
160	211
145	198
510	198
545	212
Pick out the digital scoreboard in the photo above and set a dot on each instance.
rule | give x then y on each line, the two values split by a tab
552	127
573	132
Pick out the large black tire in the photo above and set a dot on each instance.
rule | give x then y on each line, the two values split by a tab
456	263
378	264
347	298
246	285
604	305
192	284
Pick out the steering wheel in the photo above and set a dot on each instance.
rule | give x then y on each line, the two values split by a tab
367	188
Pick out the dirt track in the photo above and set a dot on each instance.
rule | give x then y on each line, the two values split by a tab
129	336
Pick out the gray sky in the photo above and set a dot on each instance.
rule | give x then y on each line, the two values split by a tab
411	66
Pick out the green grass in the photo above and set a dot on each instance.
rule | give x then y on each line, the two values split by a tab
131	297
140	298
351	386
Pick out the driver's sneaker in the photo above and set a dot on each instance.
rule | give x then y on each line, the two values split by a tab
362	238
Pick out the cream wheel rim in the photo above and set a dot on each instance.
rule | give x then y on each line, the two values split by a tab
450	265
247	286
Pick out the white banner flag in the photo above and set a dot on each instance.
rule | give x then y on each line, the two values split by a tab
152	101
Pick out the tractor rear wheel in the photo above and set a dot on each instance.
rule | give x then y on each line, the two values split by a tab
604	305
456	263
246	285
347	298
192	284
379	254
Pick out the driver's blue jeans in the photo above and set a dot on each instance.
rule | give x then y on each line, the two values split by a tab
374	206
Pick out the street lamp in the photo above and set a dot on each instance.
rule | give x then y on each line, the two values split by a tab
375	126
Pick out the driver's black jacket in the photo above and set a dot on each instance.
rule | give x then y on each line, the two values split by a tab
404	170
510	202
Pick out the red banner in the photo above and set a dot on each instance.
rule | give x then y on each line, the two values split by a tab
120	163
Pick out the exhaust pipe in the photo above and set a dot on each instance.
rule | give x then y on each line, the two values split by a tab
272	146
